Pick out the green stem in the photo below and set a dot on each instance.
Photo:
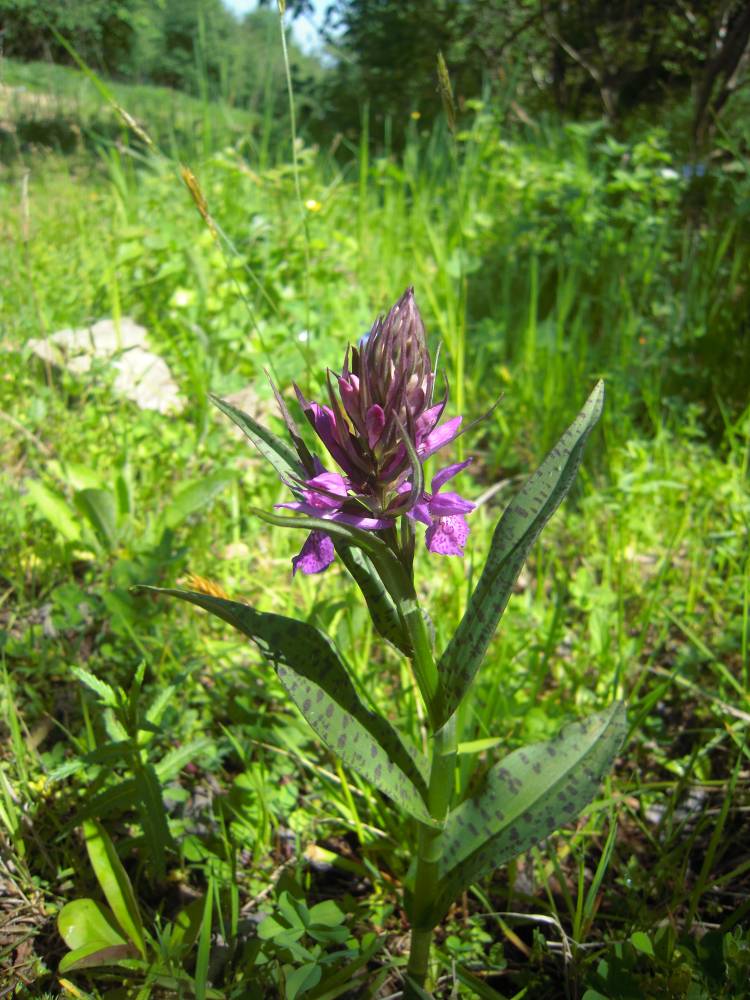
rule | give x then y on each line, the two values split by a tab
398	581
423	662
399	585
440	788
430	850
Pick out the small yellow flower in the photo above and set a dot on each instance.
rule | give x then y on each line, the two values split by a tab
40	785
312	205
416	115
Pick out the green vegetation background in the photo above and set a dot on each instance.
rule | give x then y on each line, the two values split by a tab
585	219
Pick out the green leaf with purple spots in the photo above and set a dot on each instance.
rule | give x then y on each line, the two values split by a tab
516	532
312	671
526	796
380	604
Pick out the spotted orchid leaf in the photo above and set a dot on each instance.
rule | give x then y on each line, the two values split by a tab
515	534
313	673
380	604
272	448
526	796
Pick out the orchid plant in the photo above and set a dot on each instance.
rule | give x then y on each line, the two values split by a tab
362	501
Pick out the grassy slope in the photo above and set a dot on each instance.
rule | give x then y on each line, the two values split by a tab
638	586
44	105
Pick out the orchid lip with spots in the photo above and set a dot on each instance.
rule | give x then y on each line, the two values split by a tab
380	418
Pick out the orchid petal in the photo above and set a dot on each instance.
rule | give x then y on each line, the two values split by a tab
302	508
427	420
443	475
321	507
355	520
323	421
332	482
421	512
445	504
447	535
360	521
349	397
439	437
325	492
397	464
315	555
415	398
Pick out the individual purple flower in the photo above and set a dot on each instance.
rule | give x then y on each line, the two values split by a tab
379	420
444	514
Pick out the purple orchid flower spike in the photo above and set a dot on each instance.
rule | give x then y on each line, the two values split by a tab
379	424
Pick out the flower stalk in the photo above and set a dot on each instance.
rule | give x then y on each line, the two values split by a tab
430	850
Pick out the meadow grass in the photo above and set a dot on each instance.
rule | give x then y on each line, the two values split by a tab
541	261
48	106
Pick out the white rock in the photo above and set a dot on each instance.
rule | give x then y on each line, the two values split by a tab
141	375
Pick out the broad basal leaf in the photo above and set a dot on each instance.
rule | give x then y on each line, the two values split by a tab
272	448
114	882
516	532
84	921
311	670
526	796
98	953
91	932
56	510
